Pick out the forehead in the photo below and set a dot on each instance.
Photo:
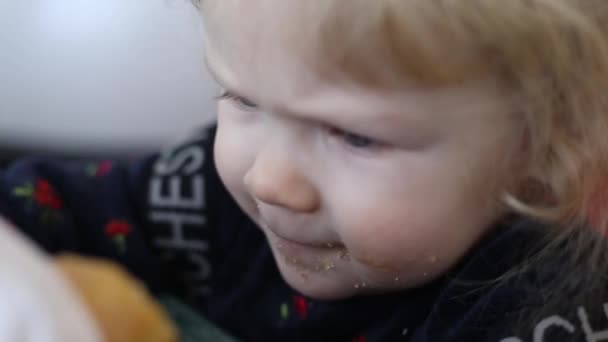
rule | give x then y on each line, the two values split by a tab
262	50
248	46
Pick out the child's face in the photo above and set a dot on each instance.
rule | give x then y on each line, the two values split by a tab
357	190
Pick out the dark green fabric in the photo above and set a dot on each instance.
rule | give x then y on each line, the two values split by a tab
192	326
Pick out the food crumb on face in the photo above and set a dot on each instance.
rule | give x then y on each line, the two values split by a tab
344	255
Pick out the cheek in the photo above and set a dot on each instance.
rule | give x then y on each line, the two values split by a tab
386	242
410	241
233	156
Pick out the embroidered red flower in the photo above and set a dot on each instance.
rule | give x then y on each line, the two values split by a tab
118	230
360	338
100	169
103	168
300	306
118	227
45	195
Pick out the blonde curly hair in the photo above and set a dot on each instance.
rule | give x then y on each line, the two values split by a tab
551	55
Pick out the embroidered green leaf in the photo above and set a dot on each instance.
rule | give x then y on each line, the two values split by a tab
121	243
91	169
24	191
284	311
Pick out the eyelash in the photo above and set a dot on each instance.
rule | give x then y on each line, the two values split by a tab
239	101
353	140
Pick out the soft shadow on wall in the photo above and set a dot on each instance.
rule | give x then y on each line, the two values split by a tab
100	78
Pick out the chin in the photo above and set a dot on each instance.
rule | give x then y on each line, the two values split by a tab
316	285
320	291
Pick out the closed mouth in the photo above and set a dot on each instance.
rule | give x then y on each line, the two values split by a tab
323	245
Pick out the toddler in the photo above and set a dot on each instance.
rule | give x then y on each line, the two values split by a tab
387	170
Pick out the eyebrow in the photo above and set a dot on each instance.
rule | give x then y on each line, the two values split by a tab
319	117
219	80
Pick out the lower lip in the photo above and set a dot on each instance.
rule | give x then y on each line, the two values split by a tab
312	257
294	244
286	243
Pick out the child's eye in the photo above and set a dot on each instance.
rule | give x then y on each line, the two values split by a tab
358	141
239	101
355	140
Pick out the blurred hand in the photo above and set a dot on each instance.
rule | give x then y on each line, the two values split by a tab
37	304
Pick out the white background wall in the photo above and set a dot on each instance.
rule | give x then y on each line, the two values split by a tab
100	74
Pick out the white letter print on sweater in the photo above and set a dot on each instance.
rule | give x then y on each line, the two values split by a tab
177	212
557	322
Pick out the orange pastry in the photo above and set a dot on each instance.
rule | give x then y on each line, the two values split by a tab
122	307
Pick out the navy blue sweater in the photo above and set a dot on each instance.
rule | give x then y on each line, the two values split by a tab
171	222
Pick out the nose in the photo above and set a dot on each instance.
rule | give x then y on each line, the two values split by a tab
275	179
